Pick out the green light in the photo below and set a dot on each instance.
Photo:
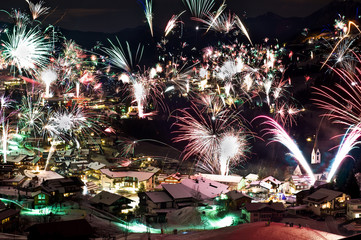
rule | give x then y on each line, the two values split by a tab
35	212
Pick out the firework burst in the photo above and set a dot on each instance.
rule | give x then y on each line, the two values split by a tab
31	116
26	49
208	137
37	9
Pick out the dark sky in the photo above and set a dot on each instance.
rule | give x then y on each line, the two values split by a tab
114	15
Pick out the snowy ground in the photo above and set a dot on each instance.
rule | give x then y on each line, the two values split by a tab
250	231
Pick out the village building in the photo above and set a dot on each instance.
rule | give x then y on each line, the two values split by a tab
234	182
111	202
63	188
9	218
156	204
353	208
126	180
327	202
41	199
237	200
273	183
256	212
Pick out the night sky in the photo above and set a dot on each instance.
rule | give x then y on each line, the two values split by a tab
114	15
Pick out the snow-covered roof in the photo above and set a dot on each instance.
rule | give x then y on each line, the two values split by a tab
178	191
159	197
207	187
252	177
106	198
17	178
221	178
300	179
141	176
234	195
323	195
33	194
272	179
96	165
16	159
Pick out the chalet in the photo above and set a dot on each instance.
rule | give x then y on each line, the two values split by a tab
274	183
110	202
6	171
181	195
256	212
126	180
251	177
9	220
63	187
15	181
327	202
156	204
170	179
237	200
234	182
17	160
208	189
258	189
299	183
353	208
41	199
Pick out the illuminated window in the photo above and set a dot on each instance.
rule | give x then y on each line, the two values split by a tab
5	220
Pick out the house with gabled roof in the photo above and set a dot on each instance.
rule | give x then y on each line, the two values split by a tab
110	202
273	182
237	200
327	202
256	212
126	180
156	204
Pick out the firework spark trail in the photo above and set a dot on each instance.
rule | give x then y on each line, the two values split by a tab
231	147
37	9
140	95
243	28
281	136
343	102
172	23
148	12
5	102
26	49
199	7
349	141
48	76
119	58
217	14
